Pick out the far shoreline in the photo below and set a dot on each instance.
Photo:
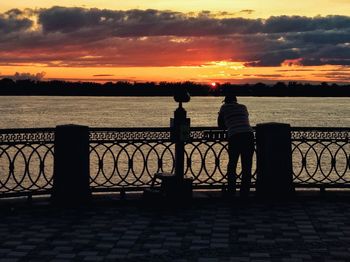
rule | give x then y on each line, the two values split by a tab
9	87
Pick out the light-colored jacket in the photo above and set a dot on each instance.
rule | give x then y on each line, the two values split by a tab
235	118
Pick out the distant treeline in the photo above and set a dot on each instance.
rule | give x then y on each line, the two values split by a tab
63	88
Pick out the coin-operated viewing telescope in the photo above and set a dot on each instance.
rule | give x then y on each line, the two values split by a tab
182	96
174	186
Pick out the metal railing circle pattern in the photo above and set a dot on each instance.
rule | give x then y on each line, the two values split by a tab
128	158
26	161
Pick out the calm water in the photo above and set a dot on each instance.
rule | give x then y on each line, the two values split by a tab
20	112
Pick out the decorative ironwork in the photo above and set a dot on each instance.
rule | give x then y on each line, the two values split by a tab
320	133
127	158
129	134
321	156
129	164
26	161
120	162
42	135
206	162
208	134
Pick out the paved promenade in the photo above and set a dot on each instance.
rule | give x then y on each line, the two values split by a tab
209	230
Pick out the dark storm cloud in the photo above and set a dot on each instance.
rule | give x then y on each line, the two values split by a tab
138	23
13	21
329	37
155	23
285	24
80	36
328	54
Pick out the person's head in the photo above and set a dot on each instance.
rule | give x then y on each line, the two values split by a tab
230	99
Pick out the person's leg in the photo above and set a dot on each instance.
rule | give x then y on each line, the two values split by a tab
232	164
247	159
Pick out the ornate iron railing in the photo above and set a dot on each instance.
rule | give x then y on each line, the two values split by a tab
26	161
321	157
206	157
128	158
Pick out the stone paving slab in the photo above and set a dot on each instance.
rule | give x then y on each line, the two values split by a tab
215	230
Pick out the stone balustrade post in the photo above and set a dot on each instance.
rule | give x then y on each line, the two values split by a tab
274	160
71	165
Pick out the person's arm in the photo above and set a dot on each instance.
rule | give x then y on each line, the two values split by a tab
246	109
221	120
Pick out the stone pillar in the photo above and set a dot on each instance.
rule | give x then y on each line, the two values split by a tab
274	160
71	165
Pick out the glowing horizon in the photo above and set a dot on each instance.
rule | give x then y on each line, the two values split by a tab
205	74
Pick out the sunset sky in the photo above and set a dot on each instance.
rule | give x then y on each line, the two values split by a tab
235	41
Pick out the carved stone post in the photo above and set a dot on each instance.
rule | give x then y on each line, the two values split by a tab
274	160
71	165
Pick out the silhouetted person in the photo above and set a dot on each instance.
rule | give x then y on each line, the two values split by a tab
235	118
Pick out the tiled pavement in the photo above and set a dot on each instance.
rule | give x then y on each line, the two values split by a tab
205	231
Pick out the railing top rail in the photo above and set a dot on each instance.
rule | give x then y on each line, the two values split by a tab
26	135
130	134
111	135
317	134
